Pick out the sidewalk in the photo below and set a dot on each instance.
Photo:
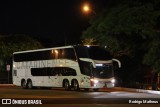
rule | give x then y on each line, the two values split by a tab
136	90
6	85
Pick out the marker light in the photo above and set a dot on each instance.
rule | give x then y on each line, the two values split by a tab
99	64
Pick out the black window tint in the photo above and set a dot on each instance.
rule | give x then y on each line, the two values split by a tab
53	71
81	52
105	71
69	72
38	72
98	53
93	52
85	68
69	53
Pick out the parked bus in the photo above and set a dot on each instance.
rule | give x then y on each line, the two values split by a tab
71	67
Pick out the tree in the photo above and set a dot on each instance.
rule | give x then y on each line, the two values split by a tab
10	44
130	30
125	22
152	58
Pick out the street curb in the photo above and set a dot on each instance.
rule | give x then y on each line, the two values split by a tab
3	85
137	90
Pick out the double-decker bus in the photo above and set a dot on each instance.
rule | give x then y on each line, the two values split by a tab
72	67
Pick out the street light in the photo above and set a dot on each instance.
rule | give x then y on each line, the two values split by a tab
87	8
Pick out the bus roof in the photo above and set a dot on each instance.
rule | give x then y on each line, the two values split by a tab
43	49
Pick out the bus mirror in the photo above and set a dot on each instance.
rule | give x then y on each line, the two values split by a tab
119	63
93	64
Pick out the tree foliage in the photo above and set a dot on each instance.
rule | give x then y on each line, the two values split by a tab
10	44
130	30
152	57
14	43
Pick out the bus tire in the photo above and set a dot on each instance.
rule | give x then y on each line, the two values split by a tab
95	89
29	84
75	85
66	85
23	84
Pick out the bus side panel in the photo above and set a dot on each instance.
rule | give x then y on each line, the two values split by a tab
18	75
52	81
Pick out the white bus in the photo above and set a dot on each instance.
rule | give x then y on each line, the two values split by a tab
71	67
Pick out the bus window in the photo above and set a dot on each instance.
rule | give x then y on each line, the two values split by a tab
86	68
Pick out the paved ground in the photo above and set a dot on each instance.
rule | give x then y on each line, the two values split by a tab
60	98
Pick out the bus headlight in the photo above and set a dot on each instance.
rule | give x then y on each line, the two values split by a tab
94	80
113	80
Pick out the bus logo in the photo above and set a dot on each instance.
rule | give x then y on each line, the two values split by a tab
6	101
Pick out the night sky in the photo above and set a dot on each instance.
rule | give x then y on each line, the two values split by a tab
52	22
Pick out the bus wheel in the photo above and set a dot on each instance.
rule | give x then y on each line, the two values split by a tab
29	84
23	84
75	85
95	89
66	85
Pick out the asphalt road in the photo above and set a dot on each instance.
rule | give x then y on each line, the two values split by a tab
60	97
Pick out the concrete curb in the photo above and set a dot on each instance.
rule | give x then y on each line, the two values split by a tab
137	90
3	85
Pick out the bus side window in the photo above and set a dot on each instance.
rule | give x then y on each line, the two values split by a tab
85	67
71	72
56	72
52	72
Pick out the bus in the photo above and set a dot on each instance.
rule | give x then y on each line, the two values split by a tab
71	67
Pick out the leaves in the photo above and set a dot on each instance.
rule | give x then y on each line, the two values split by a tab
10	44
152	58
129	28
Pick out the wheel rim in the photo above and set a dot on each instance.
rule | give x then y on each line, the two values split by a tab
30	84
66	85
75	85
24	84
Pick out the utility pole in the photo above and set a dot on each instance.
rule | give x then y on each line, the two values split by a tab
8	70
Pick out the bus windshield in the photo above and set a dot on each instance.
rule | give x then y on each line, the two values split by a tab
93	52
105	71
101	71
